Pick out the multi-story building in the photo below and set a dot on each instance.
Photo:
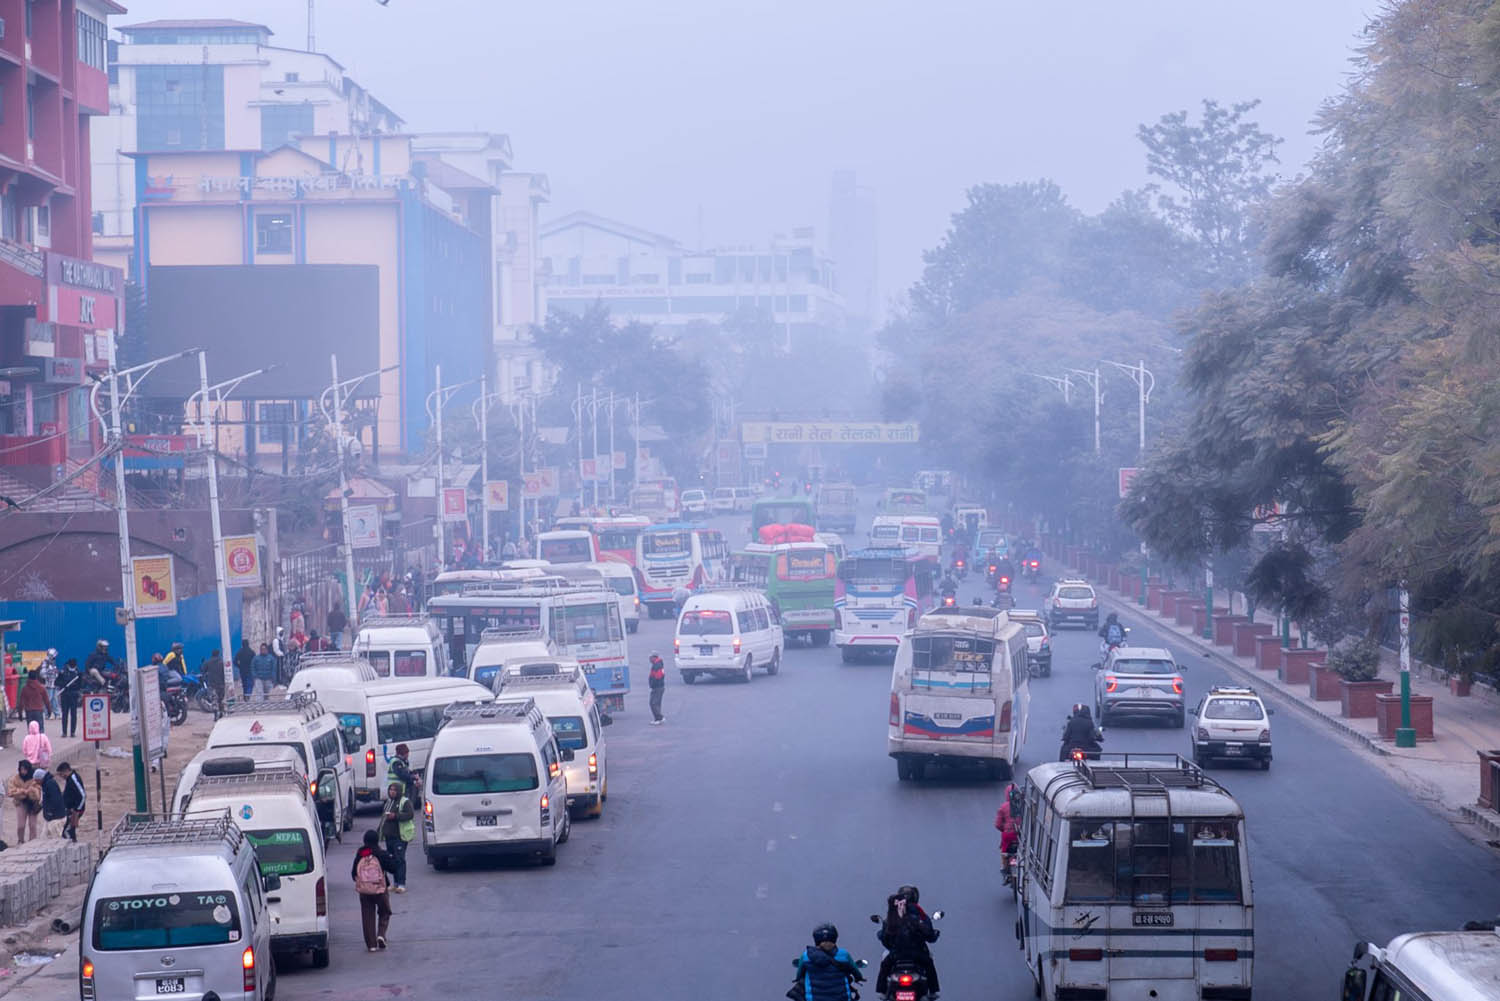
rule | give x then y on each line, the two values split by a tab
852	240
214	84
58	309
289	255
645	276
520	366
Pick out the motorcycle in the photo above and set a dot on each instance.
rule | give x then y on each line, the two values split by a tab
174	697
1031	569
197	692
907	979
116	685
1003	596
950	600
1075	751
960	569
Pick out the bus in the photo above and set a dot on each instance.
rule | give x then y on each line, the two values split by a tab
614	536
836	507
454	581
904	500
582	622
1134	881
780	511
878	594
959	693
677	555
798	578
569	545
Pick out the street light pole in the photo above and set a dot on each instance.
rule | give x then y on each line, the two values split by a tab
1145	382
1063	383
1092	378
484	466
612	447
1406	735
436	401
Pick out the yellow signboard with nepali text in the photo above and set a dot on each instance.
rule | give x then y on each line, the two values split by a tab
830	433
155	587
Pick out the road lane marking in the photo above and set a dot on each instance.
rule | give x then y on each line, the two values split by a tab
771	845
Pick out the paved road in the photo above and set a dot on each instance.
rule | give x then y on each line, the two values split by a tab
759	810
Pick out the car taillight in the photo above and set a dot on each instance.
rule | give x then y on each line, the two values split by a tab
993	568
545	813
1093	602
1004	579
1111	683
320	897
1265	736
1202	733
1005	715
736	644
1035	564
552	769
676	646
1046	642
370	763
427	808
1085	955
312	787
1221	955
593	766
895	709
1177	685
247	961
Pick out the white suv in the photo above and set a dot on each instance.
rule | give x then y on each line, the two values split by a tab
1072	600
1232	722
694	502
1139	681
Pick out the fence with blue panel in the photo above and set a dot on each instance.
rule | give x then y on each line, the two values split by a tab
73	627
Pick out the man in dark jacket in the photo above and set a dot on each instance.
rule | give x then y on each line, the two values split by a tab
75	798
824	971
211	673
263	670
656	680
99	660
69	696
54	813
1080	732
337	623
243	658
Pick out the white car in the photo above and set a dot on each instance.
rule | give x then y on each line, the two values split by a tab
694	503
1232	722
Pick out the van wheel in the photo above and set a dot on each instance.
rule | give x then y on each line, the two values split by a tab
918	768
903	770
567	831
320	959
775	665
271	985
846	654
549	857
349	814
439	862
688	677
749	668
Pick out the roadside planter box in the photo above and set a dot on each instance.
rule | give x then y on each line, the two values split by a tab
1187	608
1245	635
1359	697
1200	619
1388	714
1462	687
1224	628
1295	664
1489	779
1154	590
1323	683
1169	603
1267	653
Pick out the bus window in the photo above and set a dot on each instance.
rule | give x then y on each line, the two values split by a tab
665	544
585	624
1216	862
1091	863
706	622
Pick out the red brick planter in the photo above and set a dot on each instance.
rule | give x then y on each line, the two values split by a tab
1186	609
1169	600
1489	778
1154	591
1359	697
1295	664
1129	584
1245	635
1224	628
1267	653
1200	619
1460	687
1388	714
1323	683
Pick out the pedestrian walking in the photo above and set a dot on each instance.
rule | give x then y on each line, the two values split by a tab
244	659
263	671
75	798
278	650
36	748
25	794
369	872
32	700
337	623
508	551
398	825
49	670
54	813
69	696
656	680
680	594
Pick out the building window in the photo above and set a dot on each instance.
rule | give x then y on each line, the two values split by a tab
8	215
275	423
28	18
174	137
93	39
98	223
700	279
279	123
44	221
273	233
179	107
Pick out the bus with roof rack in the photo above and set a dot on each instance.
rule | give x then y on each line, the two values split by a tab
878	593
1135	881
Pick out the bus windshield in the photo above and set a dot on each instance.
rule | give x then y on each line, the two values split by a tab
1120	861
665	544
618	538
594	623
574	550
837	496
869	570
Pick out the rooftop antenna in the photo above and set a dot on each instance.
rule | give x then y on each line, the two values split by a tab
700	227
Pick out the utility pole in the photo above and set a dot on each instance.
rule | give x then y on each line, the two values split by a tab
635	465
207	439
578	433
1092	378
482	418
594	414
436	401
116	435
612	448
1406	734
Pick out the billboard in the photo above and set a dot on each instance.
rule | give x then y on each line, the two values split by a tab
364	526
829	433
497	495
455	504
241	561
154	587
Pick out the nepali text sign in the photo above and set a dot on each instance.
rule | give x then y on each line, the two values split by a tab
1127	477
241	561
155	586
96	717
497	495
830	432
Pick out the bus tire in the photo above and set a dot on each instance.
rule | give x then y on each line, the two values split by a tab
749	671
821	638
918	769
846	654
775	663
903	770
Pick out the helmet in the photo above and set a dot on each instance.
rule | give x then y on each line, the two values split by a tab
825	932
910	894
1078	708
52	651
1112	617
104	643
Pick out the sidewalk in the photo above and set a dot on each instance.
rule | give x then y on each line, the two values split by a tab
1443	772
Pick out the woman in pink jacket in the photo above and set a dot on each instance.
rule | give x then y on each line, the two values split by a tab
36	747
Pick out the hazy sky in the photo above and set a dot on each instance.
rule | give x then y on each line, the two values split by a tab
651	110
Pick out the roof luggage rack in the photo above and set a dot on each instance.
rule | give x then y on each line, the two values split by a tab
540	675
511	635
326	658
272	775
490	710
305	704
396	619
135	830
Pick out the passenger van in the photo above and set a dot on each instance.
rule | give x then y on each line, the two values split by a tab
1135	882
959	692
378	715
330	669
276	813
402	646
495	785
563	694
923	533
1427	966
177	908
885	530
728	632
269	758
300	722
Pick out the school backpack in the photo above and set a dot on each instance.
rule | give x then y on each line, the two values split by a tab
369	877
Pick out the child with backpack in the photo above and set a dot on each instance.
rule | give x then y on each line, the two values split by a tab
371	865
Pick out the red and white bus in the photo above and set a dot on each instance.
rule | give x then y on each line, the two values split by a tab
614	537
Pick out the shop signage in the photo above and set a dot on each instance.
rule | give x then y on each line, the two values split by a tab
63	371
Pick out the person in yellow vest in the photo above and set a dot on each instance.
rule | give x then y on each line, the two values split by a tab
398	825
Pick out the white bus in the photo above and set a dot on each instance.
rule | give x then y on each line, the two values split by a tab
678	555
960	692
1135	881
574	545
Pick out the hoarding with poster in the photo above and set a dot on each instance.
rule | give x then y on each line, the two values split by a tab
364	526
1127	477
539	483
455	504
155	587
497	495
241	561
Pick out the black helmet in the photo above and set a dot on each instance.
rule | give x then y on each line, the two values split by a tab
978	600
1112	617
910	894
825	932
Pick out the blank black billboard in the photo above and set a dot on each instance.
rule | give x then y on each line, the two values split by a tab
247	317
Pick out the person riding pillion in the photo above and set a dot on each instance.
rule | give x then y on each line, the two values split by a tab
824	971
906	934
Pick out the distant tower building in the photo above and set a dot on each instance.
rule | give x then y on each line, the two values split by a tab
851	217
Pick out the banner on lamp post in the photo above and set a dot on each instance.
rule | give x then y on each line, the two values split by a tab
619	460
1127	477
364	527
455	504
155	587
241	561
540	483
497	495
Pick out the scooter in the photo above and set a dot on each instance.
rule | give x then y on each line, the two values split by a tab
960	569
906	980
1004	599
1031	569
1076	752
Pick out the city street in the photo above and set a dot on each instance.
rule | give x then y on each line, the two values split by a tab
757	811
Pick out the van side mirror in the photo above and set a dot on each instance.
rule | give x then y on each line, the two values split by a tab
567	754
328	786
270	882
1354	984
605	719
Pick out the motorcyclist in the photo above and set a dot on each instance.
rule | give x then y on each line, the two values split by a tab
1112	632
1007	822
948	587
1004	571
824	971
99	665
1080	732
175	666
906	933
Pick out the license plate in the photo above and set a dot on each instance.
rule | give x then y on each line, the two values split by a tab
485	821
704	651
1151	919
171	985
1233	749
906	996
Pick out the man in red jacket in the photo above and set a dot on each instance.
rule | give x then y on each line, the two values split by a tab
656	680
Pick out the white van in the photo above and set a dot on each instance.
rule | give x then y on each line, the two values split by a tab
562	692
694	503
924	533
378	715
402	646
176	908
885	530
835	543
727	632
271	758
277	815
576	545
331	669
499	647
301	723
495	785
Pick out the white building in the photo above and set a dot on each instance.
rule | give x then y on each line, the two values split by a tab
516	235
213	84
645	276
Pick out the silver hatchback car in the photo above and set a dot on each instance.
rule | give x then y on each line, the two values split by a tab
1139	681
